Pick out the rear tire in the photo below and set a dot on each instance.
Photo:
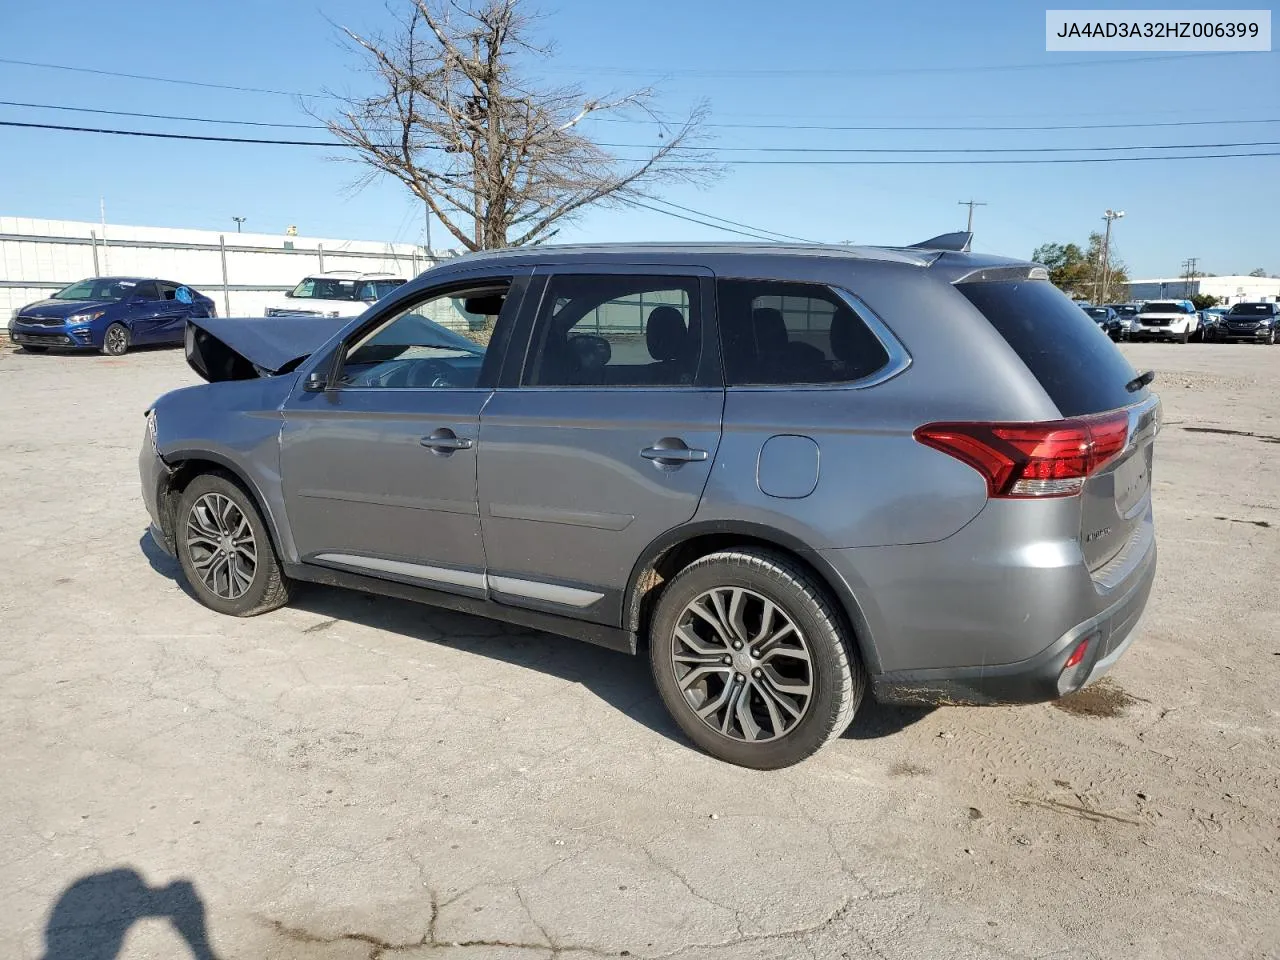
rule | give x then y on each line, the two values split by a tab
115	342
766	673
225	550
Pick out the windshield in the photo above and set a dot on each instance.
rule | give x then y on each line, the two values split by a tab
97	289
1125	309
1251	310
1162	306
1098	313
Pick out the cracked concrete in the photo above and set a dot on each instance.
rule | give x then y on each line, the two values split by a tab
352	778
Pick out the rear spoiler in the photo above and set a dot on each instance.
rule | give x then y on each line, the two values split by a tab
958	242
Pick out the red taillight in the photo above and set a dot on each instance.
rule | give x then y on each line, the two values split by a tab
1050	459
1076	655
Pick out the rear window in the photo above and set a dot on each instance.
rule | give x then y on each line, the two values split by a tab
1077	364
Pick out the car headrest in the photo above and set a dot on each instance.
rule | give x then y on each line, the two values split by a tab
770	329
851	341
665	334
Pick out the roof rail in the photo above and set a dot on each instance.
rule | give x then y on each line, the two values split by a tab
959	242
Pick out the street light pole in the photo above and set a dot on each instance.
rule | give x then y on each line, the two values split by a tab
238	220
1110	216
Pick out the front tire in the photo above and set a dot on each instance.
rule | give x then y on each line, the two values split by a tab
115	342
225	550
753	659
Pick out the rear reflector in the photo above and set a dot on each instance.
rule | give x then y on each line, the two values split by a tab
1076	655
1031	460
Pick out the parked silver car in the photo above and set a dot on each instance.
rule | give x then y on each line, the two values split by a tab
790	472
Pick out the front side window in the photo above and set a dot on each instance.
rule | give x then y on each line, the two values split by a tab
616	331
325	288
438	342
775	332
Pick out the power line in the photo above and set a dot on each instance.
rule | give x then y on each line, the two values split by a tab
860	150
730	149
896	162
177	136
703	223
977	161
736	223
777	73
1107	149
162	116
981	128
155	79
1094	64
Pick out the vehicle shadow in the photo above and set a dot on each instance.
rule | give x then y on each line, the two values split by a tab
622	681
91	918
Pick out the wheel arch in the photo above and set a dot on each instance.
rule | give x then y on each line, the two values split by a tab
186	465
680	546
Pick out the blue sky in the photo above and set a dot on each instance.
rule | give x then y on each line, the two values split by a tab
1225	212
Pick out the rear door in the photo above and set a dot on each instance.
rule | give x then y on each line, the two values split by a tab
603	438
1085	375
173	313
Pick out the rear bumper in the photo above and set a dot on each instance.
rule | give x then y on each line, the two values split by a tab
1037	678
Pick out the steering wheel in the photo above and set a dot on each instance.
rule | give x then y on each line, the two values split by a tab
423	373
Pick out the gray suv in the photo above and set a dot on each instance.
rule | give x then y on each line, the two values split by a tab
787	471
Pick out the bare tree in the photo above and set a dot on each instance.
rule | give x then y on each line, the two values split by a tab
498	162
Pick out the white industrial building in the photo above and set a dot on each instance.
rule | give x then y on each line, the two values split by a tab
1228	290
239	271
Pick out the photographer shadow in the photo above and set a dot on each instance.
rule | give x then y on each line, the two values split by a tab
94	914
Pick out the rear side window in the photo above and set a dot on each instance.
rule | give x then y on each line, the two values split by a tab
616	331
1077	364
779	333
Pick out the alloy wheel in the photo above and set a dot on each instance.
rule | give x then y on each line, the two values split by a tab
117	339
221	545
742	664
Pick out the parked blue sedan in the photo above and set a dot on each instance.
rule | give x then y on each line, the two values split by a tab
110	314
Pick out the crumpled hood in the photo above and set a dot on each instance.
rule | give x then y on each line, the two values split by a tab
240	348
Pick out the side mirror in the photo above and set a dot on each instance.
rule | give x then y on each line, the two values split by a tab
316	382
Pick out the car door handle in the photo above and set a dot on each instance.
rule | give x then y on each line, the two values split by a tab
445	440
676	453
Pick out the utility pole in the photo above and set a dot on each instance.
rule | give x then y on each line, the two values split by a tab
971	204
1110	216
102	210
1188	275
238	220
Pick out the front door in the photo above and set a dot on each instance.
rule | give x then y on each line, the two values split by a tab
379	470
604	442
145	313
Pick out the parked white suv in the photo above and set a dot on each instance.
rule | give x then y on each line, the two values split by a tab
1165	320
336	293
